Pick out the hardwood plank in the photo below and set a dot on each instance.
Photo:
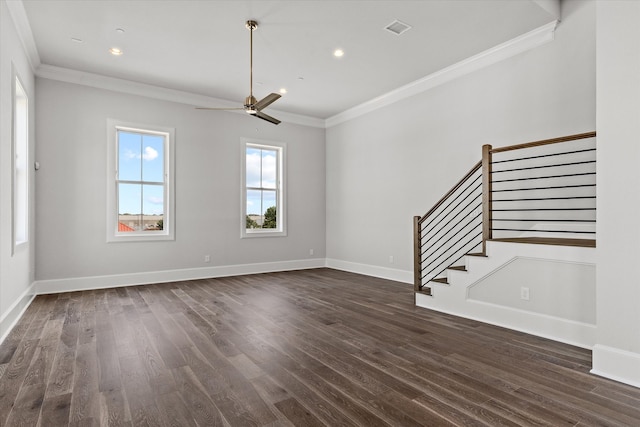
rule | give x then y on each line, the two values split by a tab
84	408
298	414
55	410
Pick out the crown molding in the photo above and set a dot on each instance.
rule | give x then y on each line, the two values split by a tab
156	92
523	43
20	20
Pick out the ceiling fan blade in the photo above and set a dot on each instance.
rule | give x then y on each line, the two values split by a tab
267	100
221	108
266	117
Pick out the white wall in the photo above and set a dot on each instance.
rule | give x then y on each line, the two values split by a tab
389	165
72	252
617	354
560	289
16	269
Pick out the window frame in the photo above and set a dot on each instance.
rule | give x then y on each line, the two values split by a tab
281	168
168	231
20	194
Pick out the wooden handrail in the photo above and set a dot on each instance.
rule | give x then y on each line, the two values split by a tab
544	142
473	170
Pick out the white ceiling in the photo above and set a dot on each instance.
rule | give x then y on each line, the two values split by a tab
202	47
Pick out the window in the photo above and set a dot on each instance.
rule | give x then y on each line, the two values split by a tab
140	194
263	212
20	193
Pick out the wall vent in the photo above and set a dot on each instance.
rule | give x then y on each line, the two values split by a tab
397	27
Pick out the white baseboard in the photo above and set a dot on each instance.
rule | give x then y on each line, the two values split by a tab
618	365
371	270
15	312
150	277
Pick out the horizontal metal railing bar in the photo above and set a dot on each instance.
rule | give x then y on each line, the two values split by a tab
544	199
542	231
464	245
422	244
555	165
544	188
444	212
542	220
426	257
544	177
576	137
495	162
469	174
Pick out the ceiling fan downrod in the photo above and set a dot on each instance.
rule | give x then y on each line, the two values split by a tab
250	101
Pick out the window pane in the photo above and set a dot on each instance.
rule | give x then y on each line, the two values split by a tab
153	207
254	208
254	166
21	161
269	209
153	158
269	168
129	197
129	156
129	209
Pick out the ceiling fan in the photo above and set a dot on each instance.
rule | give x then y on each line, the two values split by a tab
251	105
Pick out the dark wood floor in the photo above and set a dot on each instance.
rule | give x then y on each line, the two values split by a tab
306	348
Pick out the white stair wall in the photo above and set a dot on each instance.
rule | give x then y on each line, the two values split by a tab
562	296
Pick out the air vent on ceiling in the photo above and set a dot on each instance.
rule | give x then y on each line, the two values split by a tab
397	27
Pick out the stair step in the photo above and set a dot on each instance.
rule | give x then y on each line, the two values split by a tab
458	268
440	280
479	254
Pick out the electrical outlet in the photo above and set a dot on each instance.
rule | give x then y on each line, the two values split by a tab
390	259
207	258
524	294
310	251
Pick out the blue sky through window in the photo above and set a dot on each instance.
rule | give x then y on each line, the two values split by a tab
141	160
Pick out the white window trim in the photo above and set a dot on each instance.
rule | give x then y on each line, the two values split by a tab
280	194
168	232
20	215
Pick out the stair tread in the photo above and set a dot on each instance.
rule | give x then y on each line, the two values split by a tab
458	268
440	280
480	254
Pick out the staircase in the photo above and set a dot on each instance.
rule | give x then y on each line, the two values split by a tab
512	243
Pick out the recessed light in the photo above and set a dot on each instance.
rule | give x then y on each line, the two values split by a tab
300	78
119	30
115	51
283	90
338	53
76	40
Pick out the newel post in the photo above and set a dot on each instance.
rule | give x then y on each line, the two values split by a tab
417	265
486	197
